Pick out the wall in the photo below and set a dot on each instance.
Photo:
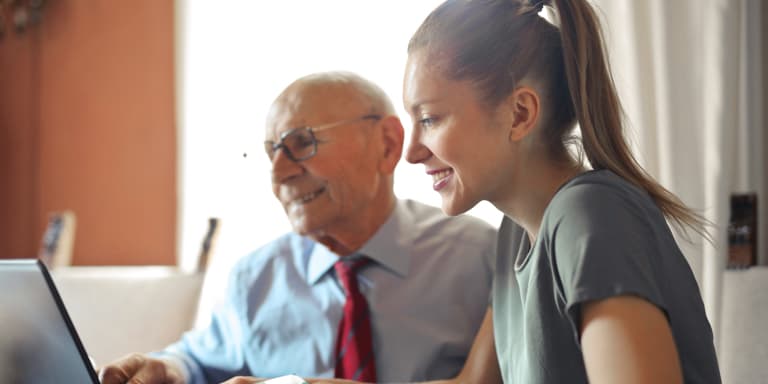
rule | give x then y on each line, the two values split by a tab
87	123
18	144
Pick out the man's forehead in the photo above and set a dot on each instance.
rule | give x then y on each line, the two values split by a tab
311	105
283	117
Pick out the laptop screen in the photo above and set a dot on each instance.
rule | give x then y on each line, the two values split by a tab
38	343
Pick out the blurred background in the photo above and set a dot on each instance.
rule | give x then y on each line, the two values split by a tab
145	118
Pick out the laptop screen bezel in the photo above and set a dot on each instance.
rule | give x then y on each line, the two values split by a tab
37	263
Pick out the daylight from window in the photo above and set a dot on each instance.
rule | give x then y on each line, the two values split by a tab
233	58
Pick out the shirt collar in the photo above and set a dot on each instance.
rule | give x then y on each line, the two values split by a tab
390	246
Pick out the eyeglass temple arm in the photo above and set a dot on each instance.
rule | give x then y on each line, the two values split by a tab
337	123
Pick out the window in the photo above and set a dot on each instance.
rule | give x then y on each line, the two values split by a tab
234	58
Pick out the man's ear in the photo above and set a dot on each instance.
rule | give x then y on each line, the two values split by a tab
392	135
523	109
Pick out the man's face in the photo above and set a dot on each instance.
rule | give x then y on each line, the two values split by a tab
340	184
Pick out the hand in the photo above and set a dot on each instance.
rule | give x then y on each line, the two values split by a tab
254	380
138	368
243	380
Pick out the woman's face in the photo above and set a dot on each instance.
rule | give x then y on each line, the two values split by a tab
460	141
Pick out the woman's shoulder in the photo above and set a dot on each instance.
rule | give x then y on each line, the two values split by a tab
601	201
600	191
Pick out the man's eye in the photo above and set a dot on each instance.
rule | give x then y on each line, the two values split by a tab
302	142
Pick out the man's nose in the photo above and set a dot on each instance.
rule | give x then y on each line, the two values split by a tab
283	168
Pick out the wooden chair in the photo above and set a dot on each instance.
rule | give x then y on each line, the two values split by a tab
58	240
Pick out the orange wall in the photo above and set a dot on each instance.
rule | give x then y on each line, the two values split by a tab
97	130
18	145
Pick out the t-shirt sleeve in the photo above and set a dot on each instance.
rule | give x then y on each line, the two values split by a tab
602	245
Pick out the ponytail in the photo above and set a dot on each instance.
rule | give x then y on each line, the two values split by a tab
599	113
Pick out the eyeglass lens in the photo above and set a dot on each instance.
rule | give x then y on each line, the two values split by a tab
299	144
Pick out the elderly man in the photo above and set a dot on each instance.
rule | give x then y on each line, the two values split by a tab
368	288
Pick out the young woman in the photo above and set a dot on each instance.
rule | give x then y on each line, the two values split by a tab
590	285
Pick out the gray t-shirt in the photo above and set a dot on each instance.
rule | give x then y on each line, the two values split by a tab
600	237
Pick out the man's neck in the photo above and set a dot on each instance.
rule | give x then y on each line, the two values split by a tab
347	238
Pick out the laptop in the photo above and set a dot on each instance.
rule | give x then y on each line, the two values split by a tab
38	343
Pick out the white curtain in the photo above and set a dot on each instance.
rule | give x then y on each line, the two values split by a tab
689	75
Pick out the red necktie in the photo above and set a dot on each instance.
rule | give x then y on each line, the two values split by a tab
354	344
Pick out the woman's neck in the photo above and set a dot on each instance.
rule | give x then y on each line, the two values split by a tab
533	190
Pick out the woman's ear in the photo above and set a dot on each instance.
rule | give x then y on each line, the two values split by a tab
523	110
393	136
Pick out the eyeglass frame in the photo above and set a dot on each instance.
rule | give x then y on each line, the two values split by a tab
271	147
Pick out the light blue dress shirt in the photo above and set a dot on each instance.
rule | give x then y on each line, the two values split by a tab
428	289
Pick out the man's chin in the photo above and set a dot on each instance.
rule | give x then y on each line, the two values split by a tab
305	228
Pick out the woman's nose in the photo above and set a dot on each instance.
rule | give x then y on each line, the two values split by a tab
416	152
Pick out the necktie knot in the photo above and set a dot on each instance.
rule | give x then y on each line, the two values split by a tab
347	270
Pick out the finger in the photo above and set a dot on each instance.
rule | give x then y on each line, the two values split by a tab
243	380
157	371
122	370
149	374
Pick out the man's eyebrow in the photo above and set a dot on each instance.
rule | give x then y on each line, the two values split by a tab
275	135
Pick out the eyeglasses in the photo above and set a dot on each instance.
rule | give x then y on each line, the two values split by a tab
300	144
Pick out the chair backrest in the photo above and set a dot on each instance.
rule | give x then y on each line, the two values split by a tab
744	326
58	240
121	310
206	248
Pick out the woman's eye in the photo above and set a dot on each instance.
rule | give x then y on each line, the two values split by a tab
426	122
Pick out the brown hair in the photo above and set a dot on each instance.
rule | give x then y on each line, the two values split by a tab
497	43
